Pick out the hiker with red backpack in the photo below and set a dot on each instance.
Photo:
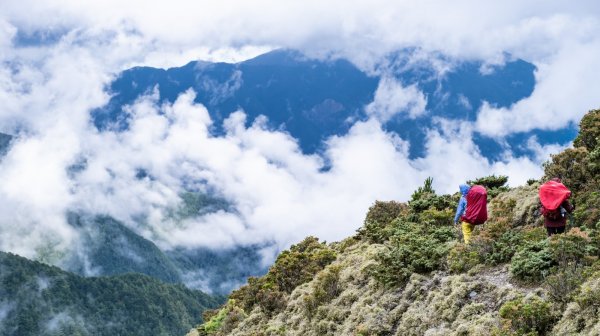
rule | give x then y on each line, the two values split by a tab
555	206
471	209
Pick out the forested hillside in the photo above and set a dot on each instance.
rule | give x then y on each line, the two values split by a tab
406	272
37	299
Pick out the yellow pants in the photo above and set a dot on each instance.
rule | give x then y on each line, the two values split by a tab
467	230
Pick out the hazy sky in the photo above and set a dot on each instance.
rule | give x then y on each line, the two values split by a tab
56	57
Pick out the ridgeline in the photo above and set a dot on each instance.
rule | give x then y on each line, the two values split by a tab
406	271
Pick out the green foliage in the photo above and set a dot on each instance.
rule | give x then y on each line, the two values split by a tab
425	198
536	259
563	282
292	268
462	258
223	321
327	287
579	169
589	294
376	228
572	166
528	316
532	262
131	304
110	244
490	182
572	248
413	248
425	190
300	263
589	131
493	184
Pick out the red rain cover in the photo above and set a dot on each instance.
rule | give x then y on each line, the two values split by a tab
552	194
476	212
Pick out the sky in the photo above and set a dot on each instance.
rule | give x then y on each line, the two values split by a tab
57	56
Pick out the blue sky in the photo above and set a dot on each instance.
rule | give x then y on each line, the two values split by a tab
57	56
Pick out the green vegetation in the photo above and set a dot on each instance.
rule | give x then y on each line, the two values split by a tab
270	293
579	169
413	248
42	300
116	249
406	272
377	228
494	184
528	315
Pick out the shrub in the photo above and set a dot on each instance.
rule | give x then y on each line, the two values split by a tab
435	217
532	181
494	184
490	182
412	248
376	228
462	258
563	283
300	263
425	198
532	262
589	293
326	289
292	268
528	316
571	248
223	320
589	131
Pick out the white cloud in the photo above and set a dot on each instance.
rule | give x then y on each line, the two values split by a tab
281	195
392	98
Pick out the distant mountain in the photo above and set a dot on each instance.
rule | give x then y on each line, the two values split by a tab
5	141
37	299
109	247
314	99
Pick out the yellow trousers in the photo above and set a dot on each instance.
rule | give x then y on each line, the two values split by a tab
467	230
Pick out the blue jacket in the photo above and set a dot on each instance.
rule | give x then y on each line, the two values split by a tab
462	204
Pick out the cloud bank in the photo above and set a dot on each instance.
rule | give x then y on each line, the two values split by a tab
56	58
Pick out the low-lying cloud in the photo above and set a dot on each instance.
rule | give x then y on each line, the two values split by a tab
60	162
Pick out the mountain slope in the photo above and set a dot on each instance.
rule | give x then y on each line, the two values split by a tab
37	299
314	99
406	273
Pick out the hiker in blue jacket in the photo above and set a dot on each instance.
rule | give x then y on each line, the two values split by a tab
460	210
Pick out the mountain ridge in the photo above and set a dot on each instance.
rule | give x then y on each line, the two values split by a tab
407	272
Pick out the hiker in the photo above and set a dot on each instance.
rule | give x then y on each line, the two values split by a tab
471	209
555	205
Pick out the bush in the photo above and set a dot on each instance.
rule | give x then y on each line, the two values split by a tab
222	321
589	294
412	248
292	268
528	316
494	184
574	247
571	166
564	281
589	131
376	228
326	289
532	262
462	258
490	182
425	198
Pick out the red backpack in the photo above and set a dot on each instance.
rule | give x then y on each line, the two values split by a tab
476	212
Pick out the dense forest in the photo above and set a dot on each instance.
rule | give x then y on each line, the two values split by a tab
37	299
407	272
